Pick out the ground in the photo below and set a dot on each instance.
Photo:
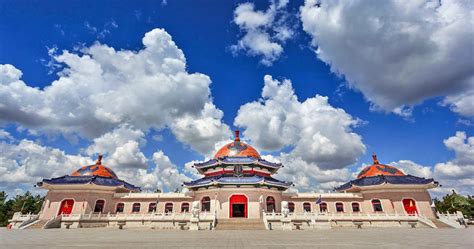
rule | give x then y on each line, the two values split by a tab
148	238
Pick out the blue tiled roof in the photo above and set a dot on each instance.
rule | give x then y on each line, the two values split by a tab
237	180
380	179
98	180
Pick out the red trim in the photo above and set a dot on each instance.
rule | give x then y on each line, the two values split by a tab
238	199
220	172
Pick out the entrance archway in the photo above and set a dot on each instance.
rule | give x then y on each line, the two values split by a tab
410	206
238	205
66	206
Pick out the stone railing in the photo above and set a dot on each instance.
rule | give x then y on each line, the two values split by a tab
205	220
455	220
313	220
20	220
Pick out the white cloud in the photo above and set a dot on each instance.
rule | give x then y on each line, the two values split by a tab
397	53
308	176
101	88
25	163
264	32
411	168
455	174
317	132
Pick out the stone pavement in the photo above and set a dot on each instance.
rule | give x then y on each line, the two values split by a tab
148	238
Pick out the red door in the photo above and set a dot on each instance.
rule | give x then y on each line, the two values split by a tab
66	206
238	206
410	206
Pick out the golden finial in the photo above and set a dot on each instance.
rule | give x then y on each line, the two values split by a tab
99	160
237	139
374	157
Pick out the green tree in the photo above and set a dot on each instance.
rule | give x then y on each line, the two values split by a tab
26	203
455	202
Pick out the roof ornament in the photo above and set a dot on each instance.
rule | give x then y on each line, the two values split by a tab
237	139
374	157
99	160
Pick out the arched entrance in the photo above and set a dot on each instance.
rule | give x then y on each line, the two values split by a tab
238	205
66	206
410	206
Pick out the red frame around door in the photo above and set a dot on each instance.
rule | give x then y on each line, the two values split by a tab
238	199
410	206
66	206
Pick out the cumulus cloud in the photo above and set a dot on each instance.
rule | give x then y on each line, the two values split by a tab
397	53
316	132
454	174
264	31
308	176
101	88
24	163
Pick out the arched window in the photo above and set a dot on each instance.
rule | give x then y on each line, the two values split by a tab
291	207
339	207
119	208
185	207
206	204
152	207
377	205
270	204
169	207
136	207
355	207
99	206
410	206
307	207
323	207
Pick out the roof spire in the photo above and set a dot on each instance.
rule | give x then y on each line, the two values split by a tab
374	157
237	139
99	160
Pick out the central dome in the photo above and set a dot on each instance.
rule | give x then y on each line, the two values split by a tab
237	148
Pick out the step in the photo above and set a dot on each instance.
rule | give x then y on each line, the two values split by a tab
38	225
440	224
240	224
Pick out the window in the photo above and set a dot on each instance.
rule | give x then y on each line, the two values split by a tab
270	204
119	208
99	206
355	207
307	207
206	204
152	207
377	205
168	207
185	207
291	207
136	207
323	207
339	207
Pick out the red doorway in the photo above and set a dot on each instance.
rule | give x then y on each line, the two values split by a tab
66	206
410	206
238	205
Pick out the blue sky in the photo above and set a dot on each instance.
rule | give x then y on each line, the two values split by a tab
206	31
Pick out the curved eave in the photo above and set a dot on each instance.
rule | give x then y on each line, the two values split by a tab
236	160
219	182
87	182
382	181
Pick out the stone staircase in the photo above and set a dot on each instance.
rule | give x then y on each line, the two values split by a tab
37	225
440	224
240	224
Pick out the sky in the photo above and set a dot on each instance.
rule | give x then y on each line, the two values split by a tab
158	85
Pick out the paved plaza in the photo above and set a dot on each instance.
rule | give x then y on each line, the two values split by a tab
148	238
